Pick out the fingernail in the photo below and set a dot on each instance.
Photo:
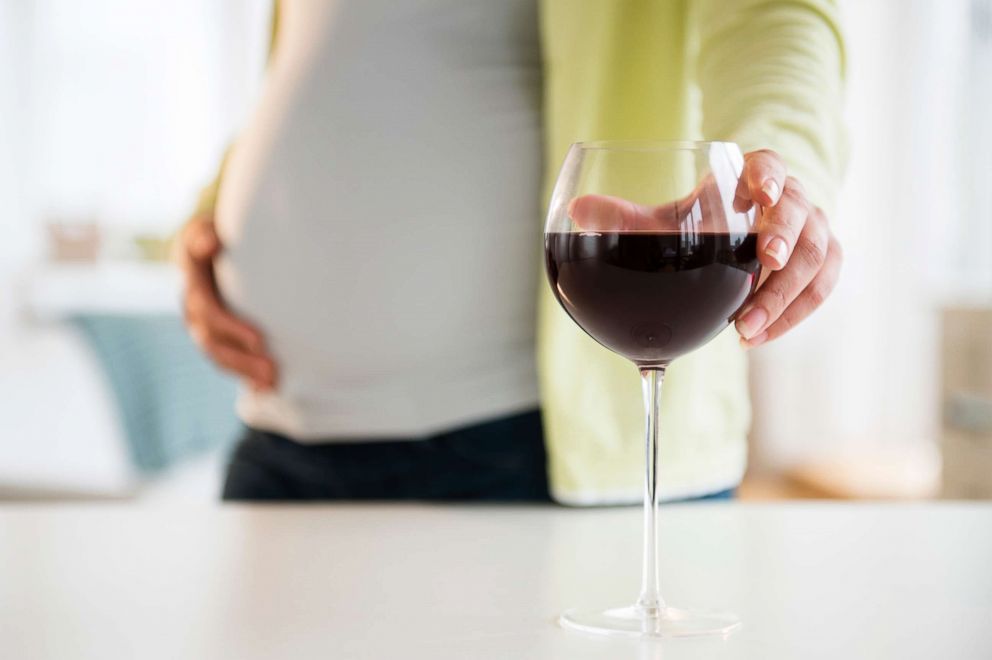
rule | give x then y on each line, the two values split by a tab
754	342
770	188
751	322
778	251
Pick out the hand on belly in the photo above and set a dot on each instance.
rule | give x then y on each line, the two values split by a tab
231	342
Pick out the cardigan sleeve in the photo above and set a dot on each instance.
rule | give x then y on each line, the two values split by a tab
771	74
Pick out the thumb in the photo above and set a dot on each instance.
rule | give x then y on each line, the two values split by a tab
202	241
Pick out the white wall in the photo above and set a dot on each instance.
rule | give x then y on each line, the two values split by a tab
862	376
116	110
18	241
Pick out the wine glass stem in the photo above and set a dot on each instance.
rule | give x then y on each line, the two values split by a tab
650	601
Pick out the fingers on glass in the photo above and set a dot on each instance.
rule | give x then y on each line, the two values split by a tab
790	295
782	225
608	213
814	295
763	179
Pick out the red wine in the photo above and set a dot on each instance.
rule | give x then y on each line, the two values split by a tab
652	296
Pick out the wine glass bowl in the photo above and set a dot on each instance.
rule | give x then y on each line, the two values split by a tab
646	269
650	247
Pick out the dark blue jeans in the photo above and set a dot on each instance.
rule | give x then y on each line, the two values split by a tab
502	460
497	461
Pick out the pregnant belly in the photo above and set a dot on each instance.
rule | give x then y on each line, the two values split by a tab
373	304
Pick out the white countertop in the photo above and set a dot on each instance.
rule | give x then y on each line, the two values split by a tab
335	582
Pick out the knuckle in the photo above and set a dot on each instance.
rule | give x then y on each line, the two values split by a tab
767	153
796	194
773	299
783	219
782	227
818	292
812	250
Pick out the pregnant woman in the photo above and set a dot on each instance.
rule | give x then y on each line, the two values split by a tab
368	262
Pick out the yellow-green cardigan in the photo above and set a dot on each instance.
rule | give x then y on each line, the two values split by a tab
763	73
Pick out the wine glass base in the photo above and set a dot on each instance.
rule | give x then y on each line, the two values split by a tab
636	622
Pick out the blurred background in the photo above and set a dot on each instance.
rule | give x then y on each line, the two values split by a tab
113	113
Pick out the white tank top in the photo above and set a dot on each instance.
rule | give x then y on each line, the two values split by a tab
381	217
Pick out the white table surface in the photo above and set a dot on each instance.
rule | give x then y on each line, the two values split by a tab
809	581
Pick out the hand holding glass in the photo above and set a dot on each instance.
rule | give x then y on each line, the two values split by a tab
646	252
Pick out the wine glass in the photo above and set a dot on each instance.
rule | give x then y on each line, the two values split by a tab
652	252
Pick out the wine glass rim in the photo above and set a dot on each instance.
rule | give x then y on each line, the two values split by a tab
648	145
